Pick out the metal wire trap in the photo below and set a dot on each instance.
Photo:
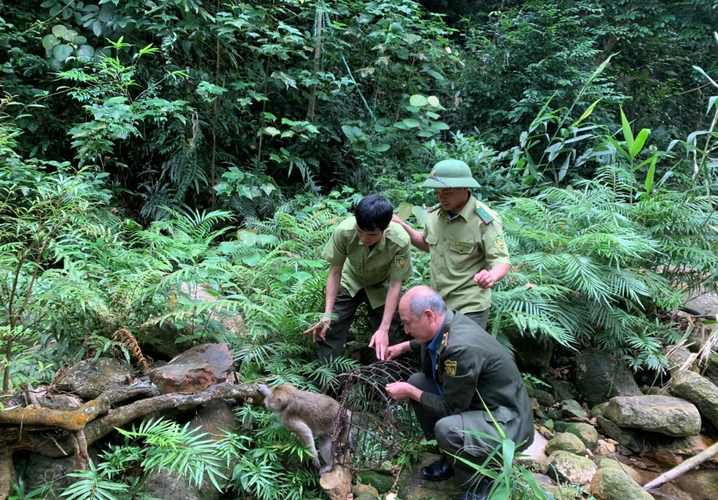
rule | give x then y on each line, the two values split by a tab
372	427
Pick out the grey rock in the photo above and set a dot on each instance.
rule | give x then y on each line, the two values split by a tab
614	484
699	391
586	433
89	378
572	468
662	414
598	377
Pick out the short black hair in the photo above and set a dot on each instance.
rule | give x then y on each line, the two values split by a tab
373	212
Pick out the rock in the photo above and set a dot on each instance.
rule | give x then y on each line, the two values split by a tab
614	484
598	377
663	457
699	391
604	447
598	409
90	378
701	484
603	462
411	485
38	470
563	390
364	489
585	432
572	409
662	414
532	351
381	482
679	358
712	368
194	370
572	468
625	437
544	398
337	483
566	442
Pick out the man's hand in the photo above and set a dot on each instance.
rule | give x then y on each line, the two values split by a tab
401	391
484	279
394	351
319	330
380	341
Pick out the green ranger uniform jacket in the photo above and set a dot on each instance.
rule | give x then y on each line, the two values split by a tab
461	247
471	365
372	270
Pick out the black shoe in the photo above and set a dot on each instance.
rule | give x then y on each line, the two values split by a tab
479	491
438	471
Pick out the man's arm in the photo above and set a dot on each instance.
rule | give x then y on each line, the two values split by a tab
333	281
415	236
401	391
380	339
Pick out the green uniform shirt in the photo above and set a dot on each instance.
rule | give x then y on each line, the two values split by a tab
471	365
460	248
389	260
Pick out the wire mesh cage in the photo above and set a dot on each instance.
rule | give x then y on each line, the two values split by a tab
373	427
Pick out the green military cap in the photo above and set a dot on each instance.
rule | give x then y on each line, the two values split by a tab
450	174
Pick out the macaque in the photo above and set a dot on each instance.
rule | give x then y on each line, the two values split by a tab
310	416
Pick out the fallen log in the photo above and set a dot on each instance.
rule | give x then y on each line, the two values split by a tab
681	469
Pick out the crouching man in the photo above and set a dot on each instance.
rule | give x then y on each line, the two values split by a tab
462	365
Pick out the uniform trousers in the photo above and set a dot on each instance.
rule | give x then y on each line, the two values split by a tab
345	307
481	318
450	433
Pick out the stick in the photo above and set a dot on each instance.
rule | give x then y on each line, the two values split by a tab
683	468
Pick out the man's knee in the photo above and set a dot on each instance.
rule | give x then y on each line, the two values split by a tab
449	434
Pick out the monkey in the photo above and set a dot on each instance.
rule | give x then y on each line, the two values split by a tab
309	415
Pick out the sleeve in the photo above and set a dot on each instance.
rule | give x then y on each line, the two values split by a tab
401	268
461	369
495	248
335	251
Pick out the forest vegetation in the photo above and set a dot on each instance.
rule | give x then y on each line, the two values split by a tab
146	145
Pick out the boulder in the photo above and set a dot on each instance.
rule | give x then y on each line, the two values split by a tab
698	390
90	378
614	484
195	370
701	484
586	433
572	468
566	442
662	414
598	377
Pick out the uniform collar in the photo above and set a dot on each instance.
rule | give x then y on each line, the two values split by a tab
379	246
441	333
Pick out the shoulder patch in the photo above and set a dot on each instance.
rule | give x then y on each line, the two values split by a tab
400	261
485	216
435	208
450	367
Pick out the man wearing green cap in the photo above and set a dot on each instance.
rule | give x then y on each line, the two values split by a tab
369	257
466	242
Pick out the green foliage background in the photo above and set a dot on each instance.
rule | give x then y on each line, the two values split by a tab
151	148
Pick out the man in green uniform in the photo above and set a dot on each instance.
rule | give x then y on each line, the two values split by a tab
369	257
466	242
463	369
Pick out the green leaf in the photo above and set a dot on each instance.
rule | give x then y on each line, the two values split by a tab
639	142
59	31
62	52
418	100
434	101
411	122
50	41
627	132
271	131
382	147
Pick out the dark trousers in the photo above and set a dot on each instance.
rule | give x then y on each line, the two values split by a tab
481	318
449	434
345	308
